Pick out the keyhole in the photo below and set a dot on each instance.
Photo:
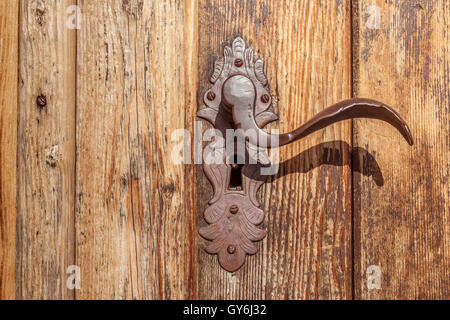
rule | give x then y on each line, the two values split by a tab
236	174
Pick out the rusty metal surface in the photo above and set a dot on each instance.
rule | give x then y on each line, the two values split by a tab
234	212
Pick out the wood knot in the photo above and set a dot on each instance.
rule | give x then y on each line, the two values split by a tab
40	16
133	8
168	188
52	156
124	180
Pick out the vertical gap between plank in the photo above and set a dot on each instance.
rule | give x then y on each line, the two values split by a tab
19	21
353	82
75	145
17	143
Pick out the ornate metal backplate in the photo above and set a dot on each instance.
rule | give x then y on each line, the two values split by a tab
234	213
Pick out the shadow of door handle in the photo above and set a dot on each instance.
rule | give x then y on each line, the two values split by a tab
240	99
239	95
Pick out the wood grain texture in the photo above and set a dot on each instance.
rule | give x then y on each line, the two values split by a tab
306	48
403	226
89	177
46	151
135	231
9	41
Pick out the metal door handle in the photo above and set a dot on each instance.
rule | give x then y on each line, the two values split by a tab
240	99
239	95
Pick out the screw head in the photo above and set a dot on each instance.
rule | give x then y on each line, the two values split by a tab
238	62
235	166
265	98
211	96
231	249
41	101
234	209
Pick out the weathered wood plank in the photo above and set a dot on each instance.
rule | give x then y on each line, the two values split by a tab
136	85
403	226
306	48
46	150
9	41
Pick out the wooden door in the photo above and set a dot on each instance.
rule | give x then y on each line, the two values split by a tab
92	91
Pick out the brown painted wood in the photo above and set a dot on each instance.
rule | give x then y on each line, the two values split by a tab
306	48
9	41
403	225
46	151
135	223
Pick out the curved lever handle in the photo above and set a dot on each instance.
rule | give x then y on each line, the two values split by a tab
239	94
